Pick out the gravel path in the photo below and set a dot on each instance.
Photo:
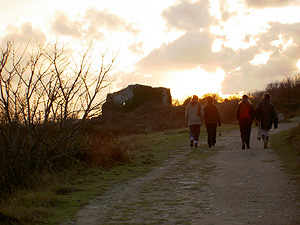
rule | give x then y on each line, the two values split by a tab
234	187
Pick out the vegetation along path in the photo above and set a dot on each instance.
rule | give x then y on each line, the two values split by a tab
227	186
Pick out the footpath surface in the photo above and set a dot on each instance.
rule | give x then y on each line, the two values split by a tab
234	187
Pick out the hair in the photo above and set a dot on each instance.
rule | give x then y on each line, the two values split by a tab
209	99
245	97
195	98
267	96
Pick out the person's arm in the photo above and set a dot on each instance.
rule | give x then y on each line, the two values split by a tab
202	112
237	112
219	117
187	112
252	112
258	112
275	118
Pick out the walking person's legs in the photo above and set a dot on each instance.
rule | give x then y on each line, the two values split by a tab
197	135
194	135
265	137
209	135
243	133
214	133
248	135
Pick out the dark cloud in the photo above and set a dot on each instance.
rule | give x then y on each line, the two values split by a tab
194	49
270	3
188	16
188	51
282	62
25	33
93	23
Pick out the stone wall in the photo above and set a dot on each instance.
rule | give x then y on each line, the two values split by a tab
134	95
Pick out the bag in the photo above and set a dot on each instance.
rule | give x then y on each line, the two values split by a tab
199	110
245	109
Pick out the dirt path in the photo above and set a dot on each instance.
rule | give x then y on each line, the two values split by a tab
244	187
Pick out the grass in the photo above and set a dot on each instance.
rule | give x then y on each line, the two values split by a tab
286	145
58	197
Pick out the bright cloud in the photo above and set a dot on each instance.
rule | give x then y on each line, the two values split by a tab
227	46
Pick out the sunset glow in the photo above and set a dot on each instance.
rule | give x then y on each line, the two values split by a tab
189	46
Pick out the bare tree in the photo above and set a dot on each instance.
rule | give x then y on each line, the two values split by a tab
45	98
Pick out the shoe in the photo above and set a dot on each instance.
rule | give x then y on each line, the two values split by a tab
265	145
248	145
243	145
192	143
196	145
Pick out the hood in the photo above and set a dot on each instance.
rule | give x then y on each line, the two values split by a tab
194	102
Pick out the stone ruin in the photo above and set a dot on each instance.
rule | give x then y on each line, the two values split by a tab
135	95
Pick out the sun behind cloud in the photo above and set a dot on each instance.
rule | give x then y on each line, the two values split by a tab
195	82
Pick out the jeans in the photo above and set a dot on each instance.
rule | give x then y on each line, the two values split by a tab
195	132
211	129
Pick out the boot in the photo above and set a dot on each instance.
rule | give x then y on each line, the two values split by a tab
196	145
243	145
192	143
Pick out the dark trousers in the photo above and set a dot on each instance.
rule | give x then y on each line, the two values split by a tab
211	129
245	129
195	132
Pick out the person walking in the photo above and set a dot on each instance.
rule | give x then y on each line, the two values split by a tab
245	114
212	120
194	115
266	116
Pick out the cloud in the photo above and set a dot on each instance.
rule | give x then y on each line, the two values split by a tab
93	23
136	48
282	61
188	16
270	3
194	49
188	51
109	21
24	33
62	25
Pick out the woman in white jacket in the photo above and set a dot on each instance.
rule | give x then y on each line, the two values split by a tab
194	114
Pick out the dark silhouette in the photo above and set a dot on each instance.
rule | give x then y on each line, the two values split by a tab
245	114
266	116
212	119
194	115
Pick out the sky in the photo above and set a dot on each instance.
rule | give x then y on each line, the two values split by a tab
191	47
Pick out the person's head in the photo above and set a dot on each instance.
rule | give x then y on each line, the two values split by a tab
209	99
245	97
195	98
267	96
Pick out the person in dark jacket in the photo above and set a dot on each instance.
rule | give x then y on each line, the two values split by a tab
266	116
245	114
212	119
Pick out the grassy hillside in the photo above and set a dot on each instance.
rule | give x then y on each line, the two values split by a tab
287	145
57	197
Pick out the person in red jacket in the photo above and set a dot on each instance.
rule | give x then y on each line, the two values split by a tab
245	114
212	119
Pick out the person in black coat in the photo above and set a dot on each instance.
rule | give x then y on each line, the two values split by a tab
245	114
212	119
266	116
